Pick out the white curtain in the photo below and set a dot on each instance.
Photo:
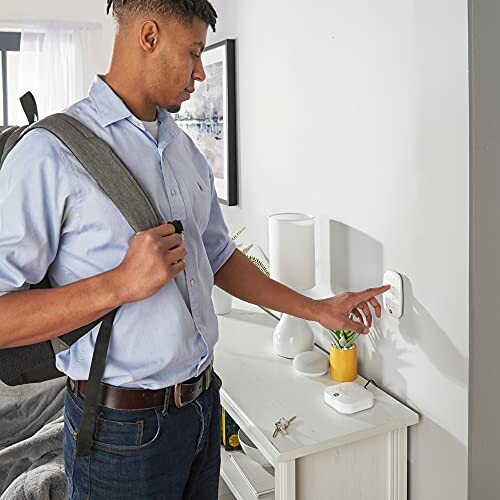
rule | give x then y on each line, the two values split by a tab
57	63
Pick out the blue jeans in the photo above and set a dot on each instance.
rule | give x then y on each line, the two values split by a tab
163	453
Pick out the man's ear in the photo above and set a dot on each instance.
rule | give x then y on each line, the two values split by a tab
150	34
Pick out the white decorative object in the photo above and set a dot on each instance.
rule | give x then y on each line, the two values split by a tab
292	262
291	250
348	397
292	336
223	301
311	363
250	449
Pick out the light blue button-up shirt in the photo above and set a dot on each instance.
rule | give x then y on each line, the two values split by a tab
53	216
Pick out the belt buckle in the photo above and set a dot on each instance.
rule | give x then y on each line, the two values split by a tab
205	384
178	397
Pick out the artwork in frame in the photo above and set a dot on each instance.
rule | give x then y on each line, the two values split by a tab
209	118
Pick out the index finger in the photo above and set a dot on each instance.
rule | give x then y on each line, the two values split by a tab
366	295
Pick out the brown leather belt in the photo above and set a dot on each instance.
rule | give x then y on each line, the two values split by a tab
121	398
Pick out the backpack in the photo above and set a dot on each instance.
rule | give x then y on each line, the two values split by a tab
36	363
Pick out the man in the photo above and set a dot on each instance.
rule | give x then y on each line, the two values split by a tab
54	217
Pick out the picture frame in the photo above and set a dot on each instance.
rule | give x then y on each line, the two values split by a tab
209	118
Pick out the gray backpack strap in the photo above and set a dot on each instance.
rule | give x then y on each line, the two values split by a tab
8	140
125	192
103	165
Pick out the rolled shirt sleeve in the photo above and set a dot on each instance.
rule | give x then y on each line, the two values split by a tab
34	193
218	244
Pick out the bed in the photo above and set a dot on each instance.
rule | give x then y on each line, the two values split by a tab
31	441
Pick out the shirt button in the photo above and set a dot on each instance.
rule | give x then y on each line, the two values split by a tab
174	192
199	326
192	282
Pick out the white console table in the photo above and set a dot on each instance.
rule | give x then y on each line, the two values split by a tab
325	455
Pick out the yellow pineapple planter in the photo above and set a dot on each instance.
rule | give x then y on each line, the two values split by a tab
344	363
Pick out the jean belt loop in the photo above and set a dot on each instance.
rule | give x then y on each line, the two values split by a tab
210	374
77	388
166	401
208	378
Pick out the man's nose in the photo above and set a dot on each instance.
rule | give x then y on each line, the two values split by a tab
199	72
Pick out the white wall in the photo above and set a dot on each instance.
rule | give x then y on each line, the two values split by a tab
357	112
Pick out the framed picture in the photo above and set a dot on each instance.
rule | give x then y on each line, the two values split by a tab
209	118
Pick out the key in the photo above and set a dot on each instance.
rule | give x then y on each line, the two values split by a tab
275	433
282	425
286	423
278	427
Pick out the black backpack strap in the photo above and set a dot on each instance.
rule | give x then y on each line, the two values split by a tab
29	106
94	387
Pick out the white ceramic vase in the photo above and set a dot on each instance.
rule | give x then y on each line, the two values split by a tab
223	301
291	336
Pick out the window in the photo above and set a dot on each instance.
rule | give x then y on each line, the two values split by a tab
10	42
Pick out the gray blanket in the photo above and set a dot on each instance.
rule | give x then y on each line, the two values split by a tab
31	441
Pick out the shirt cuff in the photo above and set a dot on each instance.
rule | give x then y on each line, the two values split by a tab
217	261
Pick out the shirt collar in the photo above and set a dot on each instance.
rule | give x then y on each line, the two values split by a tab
111	109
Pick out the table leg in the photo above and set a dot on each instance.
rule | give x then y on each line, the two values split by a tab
285	480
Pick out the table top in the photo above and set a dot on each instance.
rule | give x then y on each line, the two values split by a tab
259	388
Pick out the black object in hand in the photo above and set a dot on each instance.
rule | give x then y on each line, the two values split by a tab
179	228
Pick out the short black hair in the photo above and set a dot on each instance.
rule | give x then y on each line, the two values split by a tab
181	10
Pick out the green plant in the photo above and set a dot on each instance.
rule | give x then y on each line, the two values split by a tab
255	260
246	251
344	339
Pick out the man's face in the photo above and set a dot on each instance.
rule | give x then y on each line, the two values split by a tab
176	64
